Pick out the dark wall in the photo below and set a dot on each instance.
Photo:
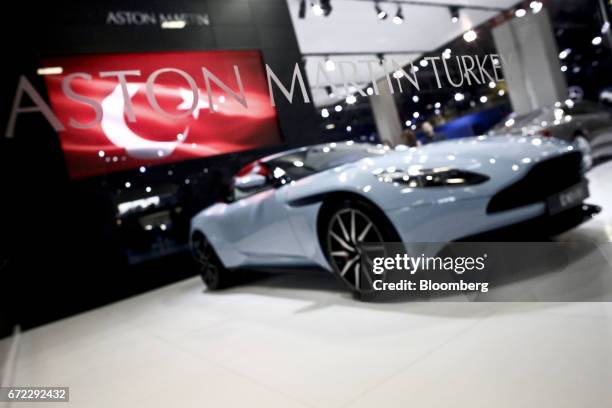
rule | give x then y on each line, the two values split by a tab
80	28
65	252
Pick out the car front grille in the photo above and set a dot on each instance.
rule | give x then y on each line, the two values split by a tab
543	180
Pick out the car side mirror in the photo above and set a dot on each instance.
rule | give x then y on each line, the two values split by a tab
249	182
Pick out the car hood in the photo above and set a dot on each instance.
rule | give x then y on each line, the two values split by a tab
485	152
503	159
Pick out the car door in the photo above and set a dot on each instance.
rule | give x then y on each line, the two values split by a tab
261	229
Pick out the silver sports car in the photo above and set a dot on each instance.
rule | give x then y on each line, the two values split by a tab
314	206
585	123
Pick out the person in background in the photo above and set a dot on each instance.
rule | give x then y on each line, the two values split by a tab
409	138
430	134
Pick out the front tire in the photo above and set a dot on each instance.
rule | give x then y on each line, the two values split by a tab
214	275
347	228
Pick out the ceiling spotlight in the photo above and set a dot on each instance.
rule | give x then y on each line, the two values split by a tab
380	13
416	115
596	41
399	16
317	10
605	27
454	13
351	99
302	10
501	92
536	6
521	12
408	123
563	54
470	36
338	108
329	64
423	63
398	73
459	97
324	113
437	105
326	7
370	90
415	99
563	68
483	99
492	85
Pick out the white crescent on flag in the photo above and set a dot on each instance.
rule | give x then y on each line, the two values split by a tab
117	131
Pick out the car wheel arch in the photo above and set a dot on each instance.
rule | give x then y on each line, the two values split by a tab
332	201
197	233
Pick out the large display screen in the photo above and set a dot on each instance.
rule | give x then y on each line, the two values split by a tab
123	111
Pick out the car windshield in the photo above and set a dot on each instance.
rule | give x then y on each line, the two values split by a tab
314	159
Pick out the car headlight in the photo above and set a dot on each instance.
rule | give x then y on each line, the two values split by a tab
583	145
438	177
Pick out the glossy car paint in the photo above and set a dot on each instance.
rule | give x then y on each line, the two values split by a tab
278	226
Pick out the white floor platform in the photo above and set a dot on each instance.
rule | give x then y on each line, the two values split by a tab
298	341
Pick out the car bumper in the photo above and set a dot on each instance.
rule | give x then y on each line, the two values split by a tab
449	221
540	227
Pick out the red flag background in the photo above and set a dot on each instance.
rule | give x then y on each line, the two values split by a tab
116	144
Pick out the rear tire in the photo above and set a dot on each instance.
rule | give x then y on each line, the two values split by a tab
214	275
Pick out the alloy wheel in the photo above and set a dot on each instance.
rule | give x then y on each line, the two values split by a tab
352	240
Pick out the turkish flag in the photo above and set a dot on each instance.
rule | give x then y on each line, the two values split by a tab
116	143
